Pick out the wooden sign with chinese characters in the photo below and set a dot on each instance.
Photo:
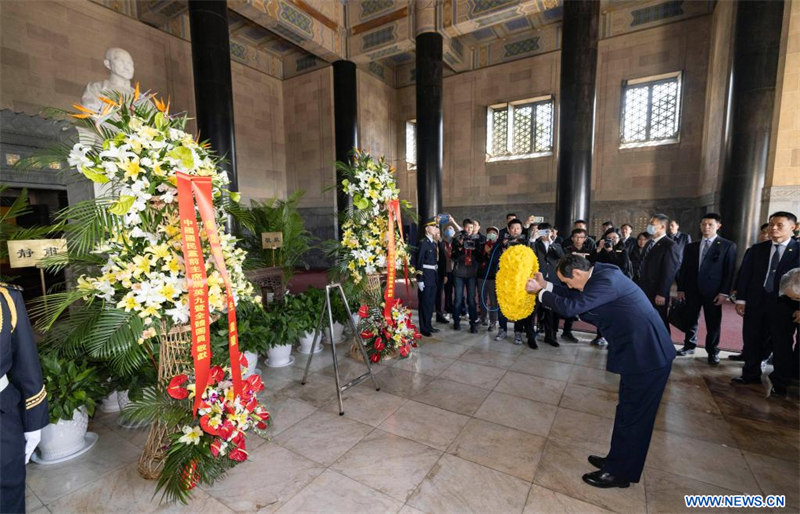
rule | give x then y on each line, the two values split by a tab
27	253
271	240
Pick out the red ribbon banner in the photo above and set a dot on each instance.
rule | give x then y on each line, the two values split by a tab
199	188
393	206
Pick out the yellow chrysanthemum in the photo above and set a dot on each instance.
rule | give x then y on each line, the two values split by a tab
517	265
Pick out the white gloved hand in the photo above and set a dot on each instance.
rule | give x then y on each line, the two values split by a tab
421	286
31	442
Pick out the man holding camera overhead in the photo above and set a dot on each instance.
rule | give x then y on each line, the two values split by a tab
466	256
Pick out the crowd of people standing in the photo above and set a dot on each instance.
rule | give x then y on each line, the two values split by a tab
466	260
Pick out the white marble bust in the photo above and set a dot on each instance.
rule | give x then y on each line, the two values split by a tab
120	65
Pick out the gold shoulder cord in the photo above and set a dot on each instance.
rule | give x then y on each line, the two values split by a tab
11	309
39	397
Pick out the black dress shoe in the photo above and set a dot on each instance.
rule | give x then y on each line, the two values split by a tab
745	380
713	360
736	357
473	328
532	344
597	461
683	352
426	334
604	480
434	329
456	327
569	337
552	342
441	319
778	391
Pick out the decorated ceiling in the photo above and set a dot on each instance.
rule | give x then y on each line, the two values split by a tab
285	38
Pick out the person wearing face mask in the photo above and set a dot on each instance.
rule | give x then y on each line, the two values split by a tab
447	280
643	240
486	277
610	251
659	265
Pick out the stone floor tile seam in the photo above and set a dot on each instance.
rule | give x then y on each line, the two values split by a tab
515	396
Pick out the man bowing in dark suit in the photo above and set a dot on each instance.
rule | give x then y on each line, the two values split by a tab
639	349
767	315
659	265
704	280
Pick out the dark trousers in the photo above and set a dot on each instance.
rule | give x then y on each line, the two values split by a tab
439	293
768	327
548	322
713	316
470	283
12	452
639	396
448	293
568	325
427	300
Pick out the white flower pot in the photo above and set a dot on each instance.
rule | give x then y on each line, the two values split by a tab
122	399
279	356
306	340
110	403
64	438
252	362
338	329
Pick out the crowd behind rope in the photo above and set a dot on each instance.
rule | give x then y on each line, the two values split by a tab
662	260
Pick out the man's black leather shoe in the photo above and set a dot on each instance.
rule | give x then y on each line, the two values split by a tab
456	327
604	480
778	391
736	357
441	319
434	330
569	337
597	461
532	344
473	329
426	334
551	342
713	360
683	352
745	381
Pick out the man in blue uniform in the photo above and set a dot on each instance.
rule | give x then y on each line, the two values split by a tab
23	400
639	349
427	266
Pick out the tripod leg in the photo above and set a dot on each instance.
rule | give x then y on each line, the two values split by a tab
357	340
333	350
317	335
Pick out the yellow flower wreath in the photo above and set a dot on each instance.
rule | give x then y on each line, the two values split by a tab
517	264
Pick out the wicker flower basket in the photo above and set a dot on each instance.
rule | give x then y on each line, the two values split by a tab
175	357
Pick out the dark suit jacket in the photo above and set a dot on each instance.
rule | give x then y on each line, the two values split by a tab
638	341
754	270
682	240
659	267
630	244
549	261
714	276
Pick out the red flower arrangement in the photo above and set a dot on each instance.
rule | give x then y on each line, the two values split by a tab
384	337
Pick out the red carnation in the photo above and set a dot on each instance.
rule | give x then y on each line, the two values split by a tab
363	311
375	357
176	389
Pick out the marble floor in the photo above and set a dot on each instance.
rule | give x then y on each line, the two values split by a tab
466	424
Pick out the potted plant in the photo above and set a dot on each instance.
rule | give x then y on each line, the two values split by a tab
284	330
74	388
306	307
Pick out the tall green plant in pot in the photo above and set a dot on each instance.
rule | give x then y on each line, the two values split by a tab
275	215
284	329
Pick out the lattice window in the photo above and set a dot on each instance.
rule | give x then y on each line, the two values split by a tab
411	145
651	111
520	129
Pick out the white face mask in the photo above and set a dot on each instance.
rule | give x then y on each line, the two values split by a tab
651	229
491	236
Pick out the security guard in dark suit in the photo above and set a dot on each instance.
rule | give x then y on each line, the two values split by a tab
23	400
427	266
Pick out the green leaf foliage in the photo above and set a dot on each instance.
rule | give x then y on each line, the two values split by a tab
70	385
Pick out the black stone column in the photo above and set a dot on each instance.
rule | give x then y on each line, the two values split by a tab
429	125
345	115
753	76
213	93
576	117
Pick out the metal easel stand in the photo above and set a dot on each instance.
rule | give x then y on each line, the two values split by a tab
318	337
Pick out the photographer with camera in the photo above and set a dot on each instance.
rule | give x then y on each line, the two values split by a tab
612	251
467	254
548	254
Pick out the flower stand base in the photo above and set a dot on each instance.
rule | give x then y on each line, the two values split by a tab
174	358
89	440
